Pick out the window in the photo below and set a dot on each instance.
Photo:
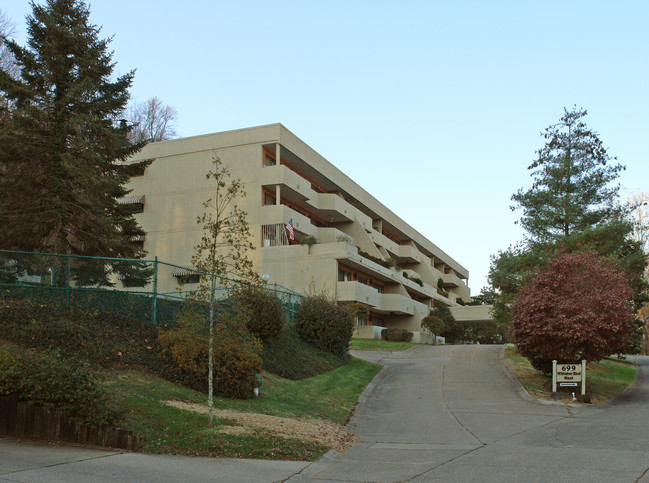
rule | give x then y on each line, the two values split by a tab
138	241
374	320
129	282
137	171
268	198
136	201
186	275
190	278
268	160
344	275
361	321
377	286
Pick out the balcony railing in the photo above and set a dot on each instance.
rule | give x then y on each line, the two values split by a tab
392	303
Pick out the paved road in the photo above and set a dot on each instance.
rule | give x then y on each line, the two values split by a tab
454	413
451	413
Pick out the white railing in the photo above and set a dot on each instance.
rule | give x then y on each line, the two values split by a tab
274	235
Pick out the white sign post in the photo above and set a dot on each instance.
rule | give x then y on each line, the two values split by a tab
569	375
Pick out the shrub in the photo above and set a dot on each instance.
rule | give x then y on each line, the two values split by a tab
236	353
308	240
576	308
453	332
643	316
46	380
484	332
358	311
324	324
396	335
103	339
264	313
288	356
433	324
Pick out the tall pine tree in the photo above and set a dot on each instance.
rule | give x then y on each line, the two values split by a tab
60	141
571	189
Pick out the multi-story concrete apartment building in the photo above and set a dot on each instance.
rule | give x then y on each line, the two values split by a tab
345	241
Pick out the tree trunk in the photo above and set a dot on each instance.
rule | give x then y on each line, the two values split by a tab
210	358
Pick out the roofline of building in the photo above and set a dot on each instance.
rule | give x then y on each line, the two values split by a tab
278	133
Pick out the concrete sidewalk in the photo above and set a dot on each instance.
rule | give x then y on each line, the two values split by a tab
50	463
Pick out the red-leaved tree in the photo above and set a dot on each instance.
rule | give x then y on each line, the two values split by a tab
579	307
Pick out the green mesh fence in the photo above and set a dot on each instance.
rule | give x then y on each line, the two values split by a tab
148	290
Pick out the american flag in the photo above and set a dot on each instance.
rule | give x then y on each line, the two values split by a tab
289	227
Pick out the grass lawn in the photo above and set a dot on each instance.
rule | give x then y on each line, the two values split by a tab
604	379
379	345
165	429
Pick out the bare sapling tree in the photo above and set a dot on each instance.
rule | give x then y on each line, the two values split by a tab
8	63
152	120
637	205
222	251
7	59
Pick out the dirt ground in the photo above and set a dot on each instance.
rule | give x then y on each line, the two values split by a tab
324	432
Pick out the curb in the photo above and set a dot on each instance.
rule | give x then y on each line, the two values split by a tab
326	458
528	397
521	389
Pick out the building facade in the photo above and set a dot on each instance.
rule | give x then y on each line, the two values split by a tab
344	240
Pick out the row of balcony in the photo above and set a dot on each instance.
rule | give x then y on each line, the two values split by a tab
335	209
328	206
379	302
349	253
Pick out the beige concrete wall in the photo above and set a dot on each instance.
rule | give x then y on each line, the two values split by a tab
175	187
367	332
473	313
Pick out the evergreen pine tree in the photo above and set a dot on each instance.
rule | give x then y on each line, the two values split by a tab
571	191
60	141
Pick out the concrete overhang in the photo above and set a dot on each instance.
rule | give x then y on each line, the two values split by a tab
472	313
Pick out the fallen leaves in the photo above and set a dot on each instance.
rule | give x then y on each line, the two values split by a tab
321	431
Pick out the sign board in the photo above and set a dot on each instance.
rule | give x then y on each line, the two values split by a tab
569	375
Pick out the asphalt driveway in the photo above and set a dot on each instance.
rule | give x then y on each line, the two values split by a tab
455	413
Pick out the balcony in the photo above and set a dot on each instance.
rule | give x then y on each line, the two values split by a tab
355	260
272	214
382	303
333	208
358	292
333	235
384	241
451	280
397	304
425	291
281	175
405	254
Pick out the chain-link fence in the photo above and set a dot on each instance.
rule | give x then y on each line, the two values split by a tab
148	290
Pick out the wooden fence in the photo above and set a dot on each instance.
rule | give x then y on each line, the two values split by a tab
23	420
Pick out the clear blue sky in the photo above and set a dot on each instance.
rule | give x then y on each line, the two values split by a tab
433	107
